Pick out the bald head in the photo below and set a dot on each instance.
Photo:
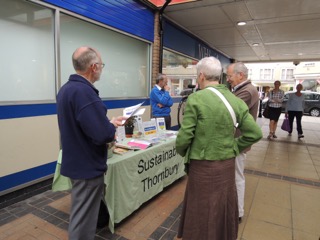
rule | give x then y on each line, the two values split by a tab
87	63
83	58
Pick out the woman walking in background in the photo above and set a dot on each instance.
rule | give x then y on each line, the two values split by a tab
295	109
275	103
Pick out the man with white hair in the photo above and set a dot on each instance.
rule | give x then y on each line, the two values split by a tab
237	77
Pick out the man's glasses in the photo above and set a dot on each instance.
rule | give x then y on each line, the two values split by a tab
102	64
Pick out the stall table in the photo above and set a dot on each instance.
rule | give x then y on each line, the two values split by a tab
134	178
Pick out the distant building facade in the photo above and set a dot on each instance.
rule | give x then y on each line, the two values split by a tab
263	75
308	74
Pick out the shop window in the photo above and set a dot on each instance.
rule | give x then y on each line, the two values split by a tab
266	74
286	74
27	47
180	70
126	73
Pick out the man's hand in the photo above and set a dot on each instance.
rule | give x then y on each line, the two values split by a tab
166	88
117	121
160	105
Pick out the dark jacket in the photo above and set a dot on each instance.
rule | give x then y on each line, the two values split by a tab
84	128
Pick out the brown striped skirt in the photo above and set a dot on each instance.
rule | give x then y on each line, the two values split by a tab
210	208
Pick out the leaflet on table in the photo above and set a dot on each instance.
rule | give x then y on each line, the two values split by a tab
170	134
120	134
123	147
138	124
142	144
161	126
149	128
121	151
133	111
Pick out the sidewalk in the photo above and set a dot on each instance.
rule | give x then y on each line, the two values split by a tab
281	201
282	185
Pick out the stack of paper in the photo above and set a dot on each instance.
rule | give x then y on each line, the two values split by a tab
142	144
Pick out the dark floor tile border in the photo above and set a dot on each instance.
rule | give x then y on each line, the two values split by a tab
283	177
169	227
158	233
38	206
290	142
168	222
7	219
25	193
105	234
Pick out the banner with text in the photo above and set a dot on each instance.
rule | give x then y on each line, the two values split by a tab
134	179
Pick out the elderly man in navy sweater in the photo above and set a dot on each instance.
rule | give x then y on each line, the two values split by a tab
85	130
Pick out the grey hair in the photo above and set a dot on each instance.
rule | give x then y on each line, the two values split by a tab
210	67
84	60
160	77
239	67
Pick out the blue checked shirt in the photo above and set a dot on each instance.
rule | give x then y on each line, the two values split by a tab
276	98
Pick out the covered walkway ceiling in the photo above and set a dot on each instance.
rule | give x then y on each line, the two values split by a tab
275	30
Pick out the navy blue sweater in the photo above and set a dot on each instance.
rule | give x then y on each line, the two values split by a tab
84	128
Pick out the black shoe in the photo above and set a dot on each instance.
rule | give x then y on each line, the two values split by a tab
300	136
240	219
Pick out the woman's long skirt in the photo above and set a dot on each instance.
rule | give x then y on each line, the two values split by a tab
210	208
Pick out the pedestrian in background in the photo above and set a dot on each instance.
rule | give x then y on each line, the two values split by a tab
237	77
85	130
275	97
161	101
206	140
295	109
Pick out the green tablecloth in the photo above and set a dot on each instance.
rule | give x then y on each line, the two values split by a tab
134	178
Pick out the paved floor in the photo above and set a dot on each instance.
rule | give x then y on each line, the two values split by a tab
281	200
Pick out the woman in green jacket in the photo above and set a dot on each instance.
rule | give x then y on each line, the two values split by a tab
206	139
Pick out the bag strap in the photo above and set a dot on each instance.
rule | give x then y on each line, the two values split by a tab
269	99
227	104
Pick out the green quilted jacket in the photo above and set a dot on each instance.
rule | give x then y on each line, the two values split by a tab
207	130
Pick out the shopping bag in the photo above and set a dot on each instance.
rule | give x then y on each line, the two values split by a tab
266	112
286	125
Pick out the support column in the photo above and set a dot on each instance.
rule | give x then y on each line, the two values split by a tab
156	49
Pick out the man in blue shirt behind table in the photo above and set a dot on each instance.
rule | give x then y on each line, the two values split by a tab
161	100
85	130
